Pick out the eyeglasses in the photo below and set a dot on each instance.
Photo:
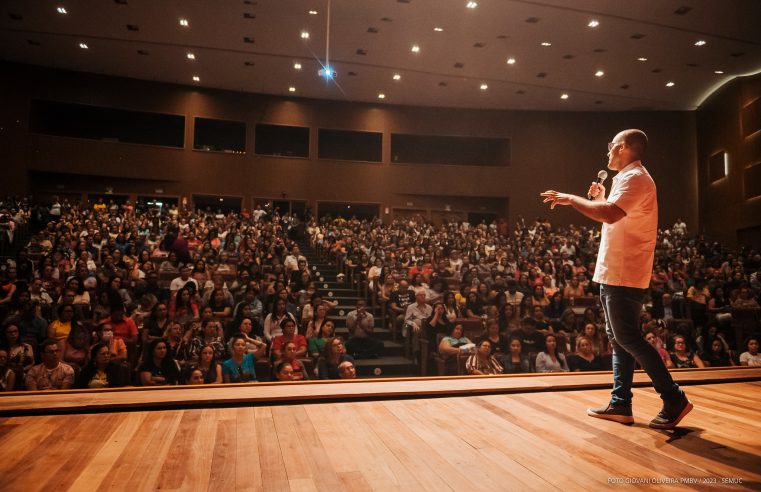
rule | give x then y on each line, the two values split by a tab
612	145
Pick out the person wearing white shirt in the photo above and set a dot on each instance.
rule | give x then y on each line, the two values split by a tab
624	266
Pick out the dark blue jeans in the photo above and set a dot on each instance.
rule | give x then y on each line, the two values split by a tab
623	306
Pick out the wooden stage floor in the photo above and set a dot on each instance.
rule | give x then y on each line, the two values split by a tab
519	440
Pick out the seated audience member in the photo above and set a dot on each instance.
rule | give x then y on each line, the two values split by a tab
20	354
289	335
183	307
290	356
361	325
584	359
284	371
211	369
60	328
158	369
438	323
744	300
51	373
346	370
254	343
76	347
220	306
414	318
452	345
333	355
596	337
682	357
320	317
531	340
498	341
181	281
482	362
515	361
549	359
717	355
7	375
273	321
316	343
652	339
176	343
209	336
101	371
192	376
751	357
241	366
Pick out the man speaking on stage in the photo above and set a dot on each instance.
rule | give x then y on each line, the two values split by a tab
624	266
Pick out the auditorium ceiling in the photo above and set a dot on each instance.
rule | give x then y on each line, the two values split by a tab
577	55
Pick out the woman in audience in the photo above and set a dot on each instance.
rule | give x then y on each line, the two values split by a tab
682	357
751	357
284	372
526	307
332	356
274	320
241	366
219	305
290	355
717	355
482	362
451	307
508	319
288	328
115	285
539	298
474	308
171	265
208	365
584	359
209	336
254	343
316	343
550	360
499	344
158	369
20	354
314	327
452	345
156	324
515	361
76	347
81	297
102	308
174	336
655	341
598	341
436	323
60	328
101	371
183	307
554	310
7	374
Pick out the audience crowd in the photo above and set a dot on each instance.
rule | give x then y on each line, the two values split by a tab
112	295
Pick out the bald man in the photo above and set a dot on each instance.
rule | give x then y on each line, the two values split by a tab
624	266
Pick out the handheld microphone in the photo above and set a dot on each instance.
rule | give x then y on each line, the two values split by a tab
601	176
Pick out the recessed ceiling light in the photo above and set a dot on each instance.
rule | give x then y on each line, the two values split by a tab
511	61
184	22
291	89
593	23
397	76
83	46
670	84
191	56
196	78
381	96
546	43
297	66
471	5
700	43
641	58
599	73
564	96
304	35
438	29
484	87
61	10
718	72
312	12
415	48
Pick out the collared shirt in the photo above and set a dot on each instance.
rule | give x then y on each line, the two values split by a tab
627	247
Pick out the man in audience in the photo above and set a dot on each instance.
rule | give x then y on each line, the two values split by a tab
414	318
361	324
184	278
51	374
346	370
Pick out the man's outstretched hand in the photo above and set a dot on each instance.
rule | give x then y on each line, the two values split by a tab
556	198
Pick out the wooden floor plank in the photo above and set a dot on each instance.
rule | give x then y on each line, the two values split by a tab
223	475
248	474
271	460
